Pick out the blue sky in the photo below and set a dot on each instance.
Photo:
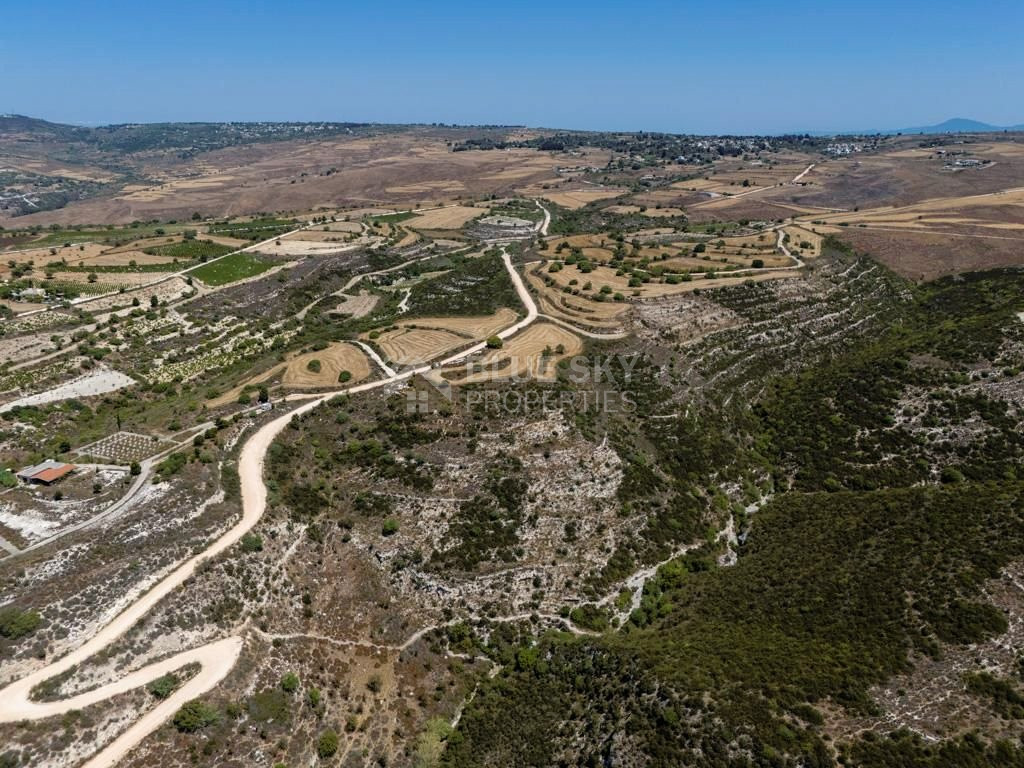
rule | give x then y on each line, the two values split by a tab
722	66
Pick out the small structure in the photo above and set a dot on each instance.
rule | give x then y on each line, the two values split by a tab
47	473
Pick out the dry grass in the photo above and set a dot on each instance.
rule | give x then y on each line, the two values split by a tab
394	170
357	306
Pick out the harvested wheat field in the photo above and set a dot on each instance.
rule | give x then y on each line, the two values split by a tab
998	213
319	236
41	256
339	226
233	242
577	198
17	307
336	358
655	213
798	236
470	327
441	187
602	276
425	338
231	396
451	217
599	316
297	247
122	259
523	356
357	306
109	278
408	346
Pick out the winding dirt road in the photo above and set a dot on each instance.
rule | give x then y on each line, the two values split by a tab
215	659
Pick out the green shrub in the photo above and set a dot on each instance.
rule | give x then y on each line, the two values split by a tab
327	744
15	623
195	715
164	685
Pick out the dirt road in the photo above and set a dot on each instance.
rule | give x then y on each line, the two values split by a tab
216	659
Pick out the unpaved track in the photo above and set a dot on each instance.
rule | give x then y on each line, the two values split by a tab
218	658
802	173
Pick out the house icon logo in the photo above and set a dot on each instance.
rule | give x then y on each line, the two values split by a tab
428	393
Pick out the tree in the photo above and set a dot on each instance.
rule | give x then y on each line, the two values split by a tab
197	216
92	277
495	342
135	469
154	301
264	394
757	263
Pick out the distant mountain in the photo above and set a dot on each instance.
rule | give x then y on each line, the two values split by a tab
960	125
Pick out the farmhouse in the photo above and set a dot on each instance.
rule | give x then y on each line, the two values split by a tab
47	473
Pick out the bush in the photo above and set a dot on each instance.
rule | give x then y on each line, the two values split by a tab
163	686
389	527
195	715
313	365
344	377
327	744
290	682
494	342
15	623
252	543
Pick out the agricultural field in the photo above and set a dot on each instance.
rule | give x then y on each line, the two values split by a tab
578	198
336	364
451	217
232	268
416	341
534	353
123	448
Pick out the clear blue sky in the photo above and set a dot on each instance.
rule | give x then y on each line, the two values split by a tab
714	66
